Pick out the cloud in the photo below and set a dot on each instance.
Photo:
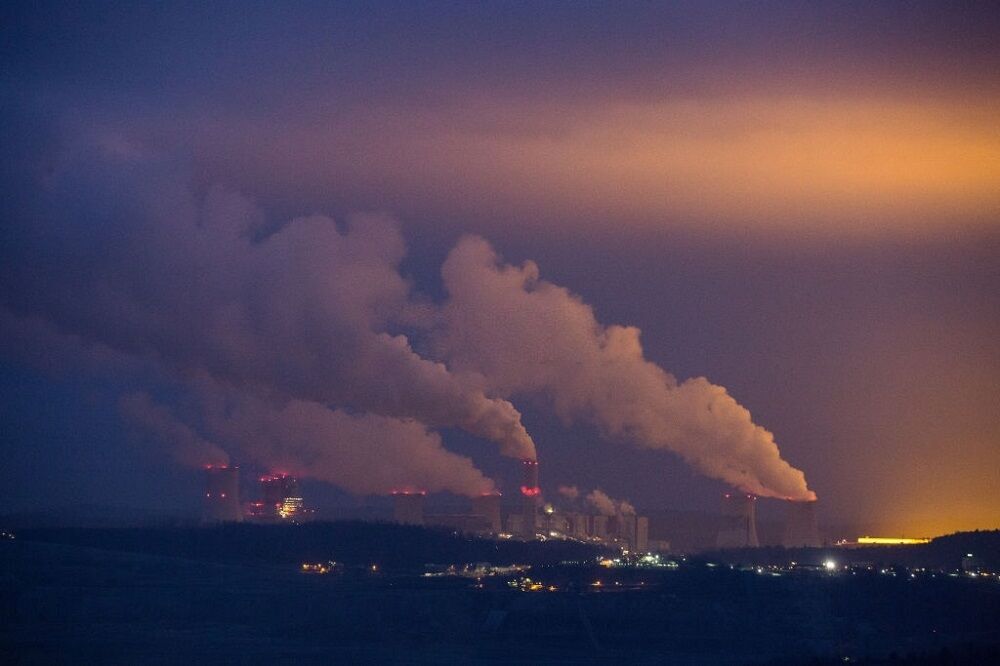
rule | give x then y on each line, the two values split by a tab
608	506
569	492
526	337
361	453
314	317
129	258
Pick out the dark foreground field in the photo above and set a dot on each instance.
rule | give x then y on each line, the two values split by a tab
72	603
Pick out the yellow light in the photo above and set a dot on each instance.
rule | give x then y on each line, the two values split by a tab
890	541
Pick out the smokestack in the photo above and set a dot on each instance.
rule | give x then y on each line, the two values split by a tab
530	494
739	522
641	544
487	505
801	528
408	507
222	495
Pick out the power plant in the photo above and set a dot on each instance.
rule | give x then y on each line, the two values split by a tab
222	495
280	500
525	517
528	518
739	522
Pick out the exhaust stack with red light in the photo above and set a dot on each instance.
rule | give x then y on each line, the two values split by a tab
530	495
222	495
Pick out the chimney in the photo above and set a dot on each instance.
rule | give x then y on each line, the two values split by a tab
222	495
530	495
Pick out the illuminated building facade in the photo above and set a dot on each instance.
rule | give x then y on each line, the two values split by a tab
281	499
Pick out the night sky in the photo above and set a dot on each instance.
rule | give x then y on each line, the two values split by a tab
384	246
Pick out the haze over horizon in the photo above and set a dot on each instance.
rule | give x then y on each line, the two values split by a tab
672	249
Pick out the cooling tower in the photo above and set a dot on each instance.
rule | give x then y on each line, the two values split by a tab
530	494
487	505
408	507
599	527
739	522
578	525
641	544
222	495
800	525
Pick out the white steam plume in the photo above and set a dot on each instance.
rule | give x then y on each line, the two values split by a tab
608	506
361	453
569	492
528	336
128	258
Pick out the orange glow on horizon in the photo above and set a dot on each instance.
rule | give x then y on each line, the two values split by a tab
852	164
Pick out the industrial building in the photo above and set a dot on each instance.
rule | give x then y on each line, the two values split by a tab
222	495
528	518
280	500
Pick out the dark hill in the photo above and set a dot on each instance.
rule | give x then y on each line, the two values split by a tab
352	543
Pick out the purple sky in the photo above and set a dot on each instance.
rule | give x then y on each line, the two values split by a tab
796	201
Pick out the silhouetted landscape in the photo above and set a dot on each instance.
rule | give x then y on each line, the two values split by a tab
479	331
382	592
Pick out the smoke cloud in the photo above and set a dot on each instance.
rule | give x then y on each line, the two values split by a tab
608	506
131	260
551	344
305	329
361	453
569	492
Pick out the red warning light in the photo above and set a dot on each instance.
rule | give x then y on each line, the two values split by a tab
531	492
